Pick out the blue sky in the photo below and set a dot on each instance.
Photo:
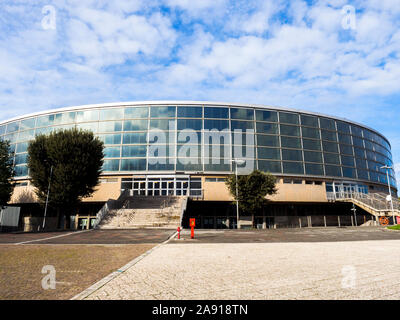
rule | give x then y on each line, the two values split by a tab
284	53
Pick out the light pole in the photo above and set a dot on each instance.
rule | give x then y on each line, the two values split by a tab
390	192
236	162
47	198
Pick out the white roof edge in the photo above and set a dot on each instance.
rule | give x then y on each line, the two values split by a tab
185	102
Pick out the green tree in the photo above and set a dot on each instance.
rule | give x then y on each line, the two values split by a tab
6	173
72	161
252	190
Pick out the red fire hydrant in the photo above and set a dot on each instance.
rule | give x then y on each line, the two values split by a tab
179	233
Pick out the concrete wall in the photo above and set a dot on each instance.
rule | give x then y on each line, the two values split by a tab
218	191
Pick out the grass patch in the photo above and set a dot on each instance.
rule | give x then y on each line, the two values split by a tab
396	227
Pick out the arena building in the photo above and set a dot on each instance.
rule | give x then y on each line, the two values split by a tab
186	148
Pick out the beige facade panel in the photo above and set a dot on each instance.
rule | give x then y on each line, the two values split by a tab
218	191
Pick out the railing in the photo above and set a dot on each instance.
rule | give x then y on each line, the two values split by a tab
183	209
376	201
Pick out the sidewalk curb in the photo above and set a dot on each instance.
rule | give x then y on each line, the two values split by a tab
87	292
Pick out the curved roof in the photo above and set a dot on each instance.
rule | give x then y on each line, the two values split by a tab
186	102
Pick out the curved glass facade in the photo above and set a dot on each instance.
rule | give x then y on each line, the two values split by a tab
203	138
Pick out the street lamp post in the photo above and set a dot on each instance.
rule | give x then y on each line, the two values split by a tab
47	198
236	162
390	192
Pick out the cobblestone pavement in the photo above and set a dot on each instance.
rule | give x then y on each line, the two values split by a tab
290	235
297	270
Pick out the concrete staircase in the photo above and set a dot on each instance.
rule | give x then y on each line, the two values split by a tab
145	212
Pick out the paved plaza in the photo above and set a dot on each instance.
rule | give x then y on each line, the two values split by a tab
200	269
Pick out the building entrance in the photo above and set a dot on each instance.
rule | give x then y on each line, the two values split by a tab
163	185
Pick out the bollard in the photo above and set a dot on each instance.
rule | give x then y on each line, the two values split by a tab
179	233
192	223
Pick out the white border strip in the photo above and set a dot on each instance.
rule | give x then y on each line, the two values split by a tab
63	235
84	294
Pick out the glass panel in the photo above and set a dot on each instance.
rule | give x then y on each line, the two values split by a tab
216	124
330	147
343	127
2	130
310	133
345	149
162	124
241	113
134	151
311	156
110	126
161	166
285	117
21	171
349	172
268	153
12	127
190	124
112	152
344	138
289	142
268	141
360	153
290	130
242	139
314	169
293	167
309	121
189	136
135	125
111	165
213	112
93	126
263	115
136	112
328	135
133	164
137	137
269	166
333	171
217	167
111	138
12	137
243	125
311	144
294	155
22	147
188	164
357	131
362	174
190	112
63	118
112	114
327	124
270	128
361	163
188	150
26	135
331	158
27	124
162	112
347	161
20	158
89	115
